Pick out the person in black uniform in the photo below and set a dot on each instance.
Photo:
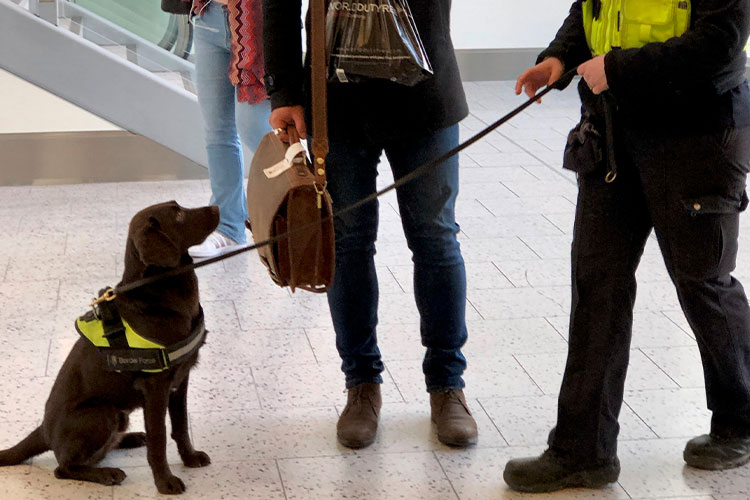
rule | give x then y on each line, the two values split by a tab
664	144
412	125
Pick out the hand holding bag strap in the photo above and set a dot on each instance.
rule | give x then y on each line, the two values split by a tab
319	90
291	132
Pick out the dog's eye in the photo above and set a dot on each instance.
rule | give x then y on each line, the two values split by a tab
180	216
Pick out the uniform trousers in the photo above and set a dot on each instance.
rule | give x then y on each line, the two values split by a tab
690	189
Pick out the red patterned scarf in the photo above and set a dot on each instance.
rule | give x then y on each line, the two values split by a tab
246	64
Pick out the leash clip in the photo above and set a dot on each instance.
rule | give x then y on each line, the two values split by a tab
107	296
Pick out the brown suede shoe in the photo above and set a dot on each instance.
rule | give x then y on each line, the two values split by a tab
451	414
358	423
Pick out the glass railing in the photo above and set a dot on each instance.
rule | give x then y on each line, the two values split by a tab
145	19
137	30
141	17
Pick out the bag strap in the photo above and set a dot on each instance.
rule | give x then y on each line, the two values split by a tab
319	92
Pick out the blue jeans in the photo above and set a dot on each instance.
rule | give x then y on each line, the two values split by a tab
427	207
223	117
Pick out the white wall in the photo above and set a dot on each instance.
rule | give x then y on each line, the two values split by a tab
506	24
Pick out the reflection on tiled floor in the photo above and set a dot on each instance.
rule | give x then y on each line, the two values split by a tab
265	399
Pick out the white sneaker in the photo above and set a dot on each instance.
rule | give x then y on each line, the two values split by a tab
216	244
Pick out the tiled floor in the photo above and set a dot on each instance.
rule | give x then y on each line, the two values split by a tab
265	398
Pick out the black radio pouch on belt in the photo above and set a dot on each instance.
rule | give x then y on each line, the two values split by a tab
584	151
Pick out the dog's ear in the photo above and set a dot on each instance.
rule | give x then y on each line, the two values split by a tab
155	247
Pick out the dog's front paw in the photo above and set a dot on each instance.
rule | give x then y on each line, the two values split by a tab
113	476
171	485
196	459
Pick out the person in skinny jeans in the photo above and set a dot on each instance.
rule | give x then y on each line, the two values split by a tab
232	97
411	125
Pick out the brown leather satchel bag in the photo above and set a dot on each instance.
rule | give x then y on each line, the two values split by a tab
283	197
286	195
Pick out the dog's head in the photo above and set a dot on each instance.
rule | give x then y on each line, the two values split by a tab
161	234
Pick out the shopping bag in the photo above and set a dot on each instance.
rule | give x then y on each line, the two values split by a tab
377	39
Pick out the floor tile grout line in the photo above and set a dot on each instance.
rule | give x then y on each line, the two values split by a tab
659	367
395	279
528	374
529	247
403	399
494	424
257	392
281	478
475	308
485	206
49	354
309	343
445	474
677	325
565	338
503	274
624	402
562	231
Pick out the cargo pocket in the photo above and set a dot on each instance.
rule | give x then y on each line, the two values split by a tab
712	235
584	151
714	204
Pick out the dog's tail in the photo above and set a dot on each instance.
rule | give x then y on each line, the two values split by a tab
32	445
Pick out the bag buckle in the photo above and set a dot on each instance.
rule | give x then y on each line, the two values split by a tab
320	192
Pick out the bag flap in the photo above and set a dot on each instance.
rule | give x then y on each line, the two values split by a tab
265	196
311	252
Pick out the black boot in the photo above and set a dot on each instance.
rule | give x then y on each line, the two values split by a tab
712	452
551	472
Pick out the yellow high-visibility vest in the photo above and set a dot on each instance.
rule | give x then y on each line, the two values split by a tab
631	24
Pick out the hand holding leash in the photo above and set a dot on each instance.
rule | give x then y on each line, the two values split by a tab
543	74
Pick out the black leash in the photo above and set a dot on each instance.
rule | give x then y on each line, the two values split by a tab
559	84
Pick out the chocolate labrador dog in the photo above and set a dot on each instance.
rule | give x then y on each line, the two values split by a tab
148	340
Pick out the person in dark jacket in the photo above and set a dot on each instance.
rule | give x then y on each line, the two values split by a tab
664	144
412	125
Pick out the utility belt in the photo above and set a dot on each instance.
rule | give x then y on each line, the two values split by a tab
590	149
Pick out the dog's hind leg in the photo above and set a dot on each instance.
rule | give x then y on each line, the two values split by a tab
179	417
132	440
82	439
32	445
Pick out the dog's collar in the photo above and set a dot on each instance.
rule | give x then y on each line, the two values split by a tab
126	350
